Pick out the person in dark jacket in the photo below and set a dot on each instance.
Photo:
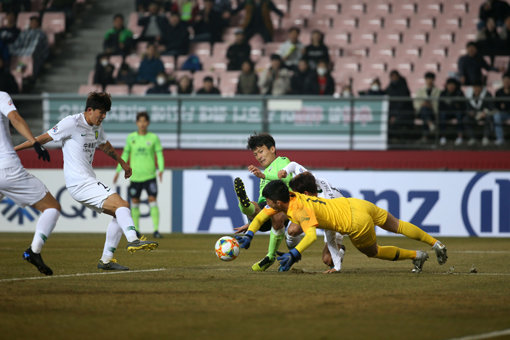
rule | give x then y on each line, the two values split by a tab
401	111
470	66
452	109
248	79
238	52
176	39
317	50
497	9
126	75
375	89
154	24
9	32
257	18
161	86
185	85
118	40
208	87
320	82
150	66
300	76
479	113
209	24
7	82
103	74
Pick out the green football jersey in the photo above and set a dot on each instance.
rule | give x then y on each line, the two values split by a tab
271	174
140	151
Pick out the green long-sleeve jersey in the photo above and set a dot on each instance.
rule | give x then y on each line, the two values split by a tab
271	174
140	151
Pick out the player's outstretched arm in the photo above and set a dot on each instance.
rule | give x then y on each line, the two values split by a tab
108	149
21	126
37	143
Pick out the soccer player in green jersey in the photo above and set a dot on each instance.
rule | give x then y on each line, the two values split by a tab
264	150
141	146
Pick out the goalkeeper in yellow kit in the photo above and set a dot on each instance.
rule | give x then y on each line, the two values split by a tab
141	147
349	216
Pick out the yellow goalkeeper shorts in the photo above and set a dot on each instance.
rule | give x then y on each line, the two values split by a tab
365	216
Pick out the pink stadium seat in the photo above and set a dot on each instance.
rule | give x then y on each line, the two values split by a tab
408	51
86	89
28	63
425	23
330	7
378	8
201	49
140	90
334	51
54	22
417	37
371	23
347	64
382	51
281	5
262	64
501	61
387	37
301	7
23	20
321	21
117	89
446	23
294	20
397	22
345	23
133	25
453	8
433	52
442	38
356	51
133	60
337	37
403	67
220	49
228	83
168	62
218	65
430	8
363	37
375	65
271	48
404	8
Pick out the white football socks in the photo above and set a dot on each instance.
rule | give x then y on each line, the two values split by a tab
43	228
293	241
113	235
126	223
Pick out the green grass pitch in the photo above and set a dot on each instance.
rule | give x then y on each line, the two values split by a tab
193	295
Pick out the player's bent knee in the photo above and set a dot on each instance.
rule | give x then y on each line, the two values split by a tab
369	251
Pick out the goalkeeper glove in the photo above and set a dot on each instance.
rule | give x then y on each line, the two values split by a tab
42	152
245	240
288	259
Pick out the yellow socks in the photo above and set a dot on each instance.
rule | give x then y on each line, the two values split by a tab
392	253
412	231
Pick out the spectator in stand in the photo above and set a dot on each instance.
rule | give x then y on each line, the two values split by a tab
185	85
161	86
103	74
257	18
374	90
479	109
15	6
497	9
154	24
502	107
208	87
176	40
276	79
238	52
426	105
142	5
317	50
209	24
189	10
32	42
401	111
504	35
150	66
489	41
346	91
292	49
7	82
248	79
300	76
320	82
470	66
66	6
451	110
126	76
223	6
9	32
118	40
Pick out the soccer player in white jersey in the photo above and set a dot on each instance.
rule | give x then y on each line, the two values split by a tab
80	135
23	188
334	250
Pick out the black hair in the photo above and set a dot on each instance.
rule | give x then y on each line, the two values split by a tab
295	28
506	75
35	17
471	43
143	114
276	191
304	182
275	56
99	101
452	81
395	73
430	75
118	15
252	65
261	139
208	78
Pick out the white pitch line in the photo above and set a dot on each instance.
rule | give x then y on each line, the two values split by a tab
480	251
485	335
83	274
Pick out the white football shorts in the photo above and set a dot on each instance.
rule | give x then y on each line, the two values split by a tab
91	193
21	187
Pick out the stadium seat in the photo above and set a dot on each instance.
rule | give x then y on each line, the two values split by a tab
133	60
117	89
330	7
347	64
301	8
54	22
282	5
271	48
228	83
454	8
133	25
28	66
86	89
220	49
379	8
320	21
23	20
352	8
389	38
90	78
140	89
337	37
430	8
201	49
345	23
425	23
363	37
371	23
168	62
404	8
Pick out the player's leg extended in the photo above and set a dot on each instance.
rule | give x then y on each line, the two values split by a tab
113	235
245	205
276	237
50	209
410	230
152	191
134	193
293	235
115	206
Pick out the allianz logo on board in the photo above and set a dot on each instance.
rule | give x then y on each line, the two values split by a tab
485	205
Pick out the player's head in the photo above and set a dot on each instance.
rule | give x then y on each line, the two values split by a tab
118	21
304	183
142	121
277	195
430	78
263	147
98	103
35	22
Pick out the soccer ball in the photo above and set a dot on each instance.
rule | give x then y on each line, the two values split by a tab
227	248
